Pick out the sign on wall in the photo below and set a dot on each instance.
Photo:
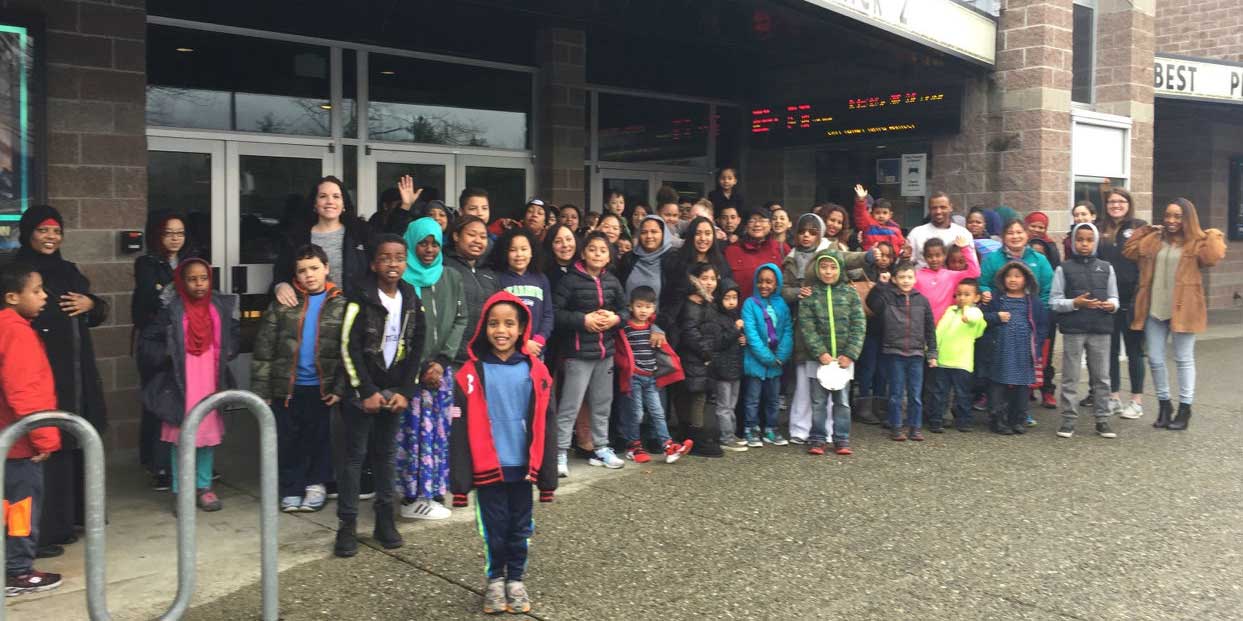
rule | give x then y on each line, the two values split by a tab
914	174
1193	78
21	114
942	24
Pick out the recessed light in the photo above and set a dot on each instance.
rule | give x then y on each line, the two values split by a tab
185	50
325	106
388	72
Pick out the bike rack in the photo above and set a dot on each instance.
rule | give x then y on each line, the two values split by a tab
187	513
93	449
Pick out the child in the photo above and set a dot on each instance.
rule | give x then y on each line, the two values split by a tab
797	282
1083	211
513	261
1084	295
908	336
191	342
296	358
876	225
957	332
26	387
955	260
977	223
1018	321
936	282
726	195
770	341
615	203
502	443
870	384
831	326
642	376
381	341
726	366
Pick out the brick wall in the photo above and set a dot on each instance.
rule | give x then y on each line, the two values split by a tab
97	165
1204	28
562	121
1123	84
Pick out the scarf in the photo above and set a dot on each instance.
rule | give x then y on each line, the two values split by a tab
417	274
200	333
58	274
646	268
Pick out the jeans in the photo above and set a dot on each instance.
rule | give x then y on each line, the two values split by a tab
944	381
758	391
1156	332
821	401
381	429
204	458
1073	348
726	403
1133	340
23	492
505	519
1008	404
644	396
906	377
592	379
869	382
302	440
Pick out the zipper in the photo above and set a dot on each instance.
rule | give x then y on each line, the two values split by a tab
600	303
293	371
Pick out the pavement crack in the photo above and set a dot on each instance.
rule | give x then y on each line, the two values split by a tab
1026	604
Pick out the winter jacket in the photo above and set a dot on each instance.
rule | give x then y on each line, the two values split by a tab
1036	263
746	256
735	200
1077	275
478	284
1190	308
875	232
362	343
162	349
444	318
907	326
579	294
939	285
703	333
350	276
26	384
153	280
760	360
535	292
792	280
473	460
676	287
1126	269
274	367
726	363
831	319
669	368
1038	316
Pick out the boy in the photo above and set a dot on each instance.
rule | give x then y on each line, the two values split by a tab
770	342
831	326
908	336
1085	295
381	338
726	367
503	441
729	219
26	387
957	332
876	225
637	359
296	359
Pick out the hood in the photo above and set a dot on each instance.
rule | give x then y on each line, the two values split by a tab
10	316
813	268
698	288
999	281
417	274
479	340
814	219
1096	238
666	240
992	222
756	278
331	289
721	291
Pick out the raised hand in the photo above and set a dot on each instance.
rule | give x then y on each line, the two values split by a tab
405	185
860	191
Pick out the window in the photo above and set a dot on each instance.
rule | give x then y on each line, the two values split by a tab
654	131
1084	49
1235	213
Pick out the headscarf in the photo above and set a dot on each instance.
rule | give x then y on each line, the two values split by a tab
200	331
992	222
417	274
1007	214
803	256
55	270
1039	216
646	269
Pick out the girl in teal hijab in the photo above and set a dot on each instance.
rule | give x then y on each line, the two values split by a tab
419	273
440	290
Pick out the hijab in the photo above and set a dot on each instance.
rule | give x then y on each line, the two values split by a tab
417	274
200	331
58	274
646	268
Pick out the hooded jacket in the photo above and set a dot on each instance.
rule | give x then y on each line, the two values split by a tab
759	359
794	267
873	231
831	320
478	284
362	343
274	367
439	290
702	329
473	459
905	319
746	256
1079	274
726	363
162	350
1190	308
26	384
579	294
1036	263
669	368
1038	323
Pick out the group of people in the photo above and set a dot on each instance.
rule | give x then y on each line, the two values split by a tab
433	350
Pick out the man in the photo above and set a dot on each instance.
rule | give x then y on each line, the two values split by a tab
940	208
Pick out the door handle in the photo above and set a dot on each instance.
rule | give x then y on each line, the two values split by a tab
215	279
239	279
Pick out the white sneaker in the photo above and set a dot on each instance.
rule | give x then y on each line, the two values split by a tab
730	446
314	499
424	509
563	465
1132	411
1115	407
607	458
290	504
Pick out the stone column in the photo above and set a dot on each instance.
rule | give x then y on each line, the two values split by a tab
561	128
1124	39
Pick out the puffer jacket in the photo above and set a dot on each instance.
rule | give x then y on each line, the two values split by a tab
478	284
701	333
162	349
274	367
758	359
726	364
831	320
579	294
907	327
362	343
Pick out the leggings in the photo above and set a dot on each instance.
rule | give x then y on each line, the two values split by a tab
1134	342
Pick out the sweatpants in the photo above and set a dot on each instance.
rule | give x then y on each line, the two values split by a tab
592	379
505	516
726	404
303	441
801	402
23	492
380	429
204	459
1073	348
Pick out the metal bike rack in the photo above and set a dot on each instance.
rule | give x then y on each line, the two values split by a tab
93	449
186	511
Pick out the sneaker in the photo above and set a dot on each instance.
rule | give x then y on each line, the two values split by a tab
797	440
734	444
774	439
1030	422
424	509
1066	430
964	428
1086	401
494	597
1048	401
1115	407
291	504
607	458
313	498
753	440
739	441
980	404
843	450
161	481
209	501
815	448
636	453
1019	430
936	428
1132	411
675	451
563	464
1104	430
898	436
518	600
915	436
33	582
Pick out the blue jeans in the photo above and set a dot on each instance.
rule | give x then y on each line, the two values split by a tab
1156	332
870	382
906	377
945	380
755	390
645	395
821	401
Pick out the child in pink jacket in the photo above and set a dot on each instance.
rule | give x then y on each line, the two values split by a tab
937	282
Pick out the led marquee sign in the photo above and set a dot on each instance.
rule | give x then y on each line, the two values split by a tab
875	114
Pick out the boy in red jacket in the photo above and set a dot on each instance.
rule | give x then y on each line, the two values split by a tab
876	224
26	387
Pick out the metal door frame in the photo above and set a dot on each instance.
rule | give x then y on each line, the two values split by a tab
216	149
368	160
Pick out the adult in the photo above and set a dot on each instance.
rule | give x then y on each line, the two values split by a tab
167	245
939	225
331	224
570	216
837	232
1117	226
754	248
535	219
558	254
642	267
64	325
612	226
1170	302
470	242
1014	247
700	247
396	207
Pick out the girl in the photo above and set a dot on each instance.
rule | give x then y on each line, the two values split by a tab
1117	226
1169	302
1018	321
1083	212
332	225
570	216
470	243
770	341
955	260
513	259
190	345
637	215
440	291
437	211
701	336
726	193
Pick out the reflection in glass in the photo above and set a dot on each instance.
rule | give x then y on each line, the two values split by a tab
692	190
639	129
430	177
728	136
507	188
181	182
272	196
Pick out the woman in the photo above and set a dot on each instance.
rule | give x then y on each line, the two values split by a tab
1014	248
1169	302
332	225
167	245
64	325
837	233
782	230
570	216
611	225
700	247
559	250
1117	226
753	249
643	265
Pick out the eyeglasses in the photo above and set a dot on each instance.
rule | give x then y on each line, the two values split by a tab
1120	201
174	234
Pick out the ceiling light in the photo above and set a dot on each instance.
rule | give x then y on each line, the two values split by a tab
388	72
185	50
325	106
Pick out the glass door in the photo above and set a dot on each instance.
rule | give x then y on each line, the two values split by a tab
508	181
433	172
693	187
636	186
186	176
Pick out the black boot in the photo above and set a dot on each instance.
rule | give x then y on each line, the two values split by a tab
706	444
865	411
385	532
1182	419
347	539
1164	411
